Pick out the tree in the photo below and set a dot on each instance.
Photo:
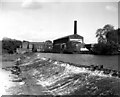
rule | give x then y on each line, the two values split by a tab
114	36
102	32
108	28
10	45
100	35
108	40
105	49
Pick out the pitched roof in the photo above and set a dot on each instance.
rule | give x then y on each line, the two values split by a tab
71	36
37	43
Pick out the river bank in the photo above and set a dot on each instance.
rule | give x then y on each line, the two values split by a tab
9	84
9	59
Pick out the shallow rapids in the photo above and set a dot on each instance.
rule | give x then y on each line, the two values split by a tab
42	76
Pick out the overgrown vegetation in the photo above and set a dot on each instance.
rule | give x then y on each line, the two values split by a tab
10	45
108	40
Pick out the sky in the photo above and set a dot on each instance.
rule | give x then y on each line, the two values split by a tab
41	20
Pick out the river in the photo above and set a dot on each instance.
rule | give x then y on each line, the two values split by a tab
110	62
56	78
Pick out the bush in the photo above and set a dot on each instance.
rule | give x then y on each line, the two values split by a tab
10	46
105	48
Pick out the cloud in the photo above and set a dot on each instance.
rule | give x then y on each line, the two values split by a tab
36	4
31	4
111	8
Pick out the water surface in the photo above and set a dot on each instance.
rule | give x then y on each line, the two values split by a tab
110	62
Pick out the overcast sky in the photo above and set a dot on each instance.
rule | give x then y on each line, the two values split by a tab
40	20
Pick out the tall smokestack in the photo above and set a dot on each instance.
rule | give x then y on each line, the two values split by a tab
75	27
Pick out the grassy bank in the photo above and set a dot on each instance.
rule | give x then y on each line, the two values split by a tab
13	57
9	59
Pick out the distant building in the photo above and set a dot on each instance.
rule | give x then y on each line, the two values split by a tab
25	45
35	47
38	46
90	46
69	44
48	46
23	48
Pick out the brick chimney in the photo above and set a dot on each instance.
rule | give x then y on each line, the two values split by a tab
75	27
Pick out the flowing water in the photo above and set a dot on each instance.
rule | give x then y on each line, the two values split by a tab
110	62
43	76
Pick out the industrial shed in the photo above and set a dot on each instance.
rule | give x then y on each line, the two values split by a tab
69	44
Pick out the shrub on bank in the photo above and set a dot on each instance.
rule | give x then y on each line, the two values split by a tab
108	48
10	45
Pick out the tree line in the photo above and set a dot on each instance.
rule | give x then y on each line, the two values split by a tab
10	45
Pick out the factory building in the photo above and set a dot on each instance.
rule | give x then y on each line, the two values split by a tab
69	44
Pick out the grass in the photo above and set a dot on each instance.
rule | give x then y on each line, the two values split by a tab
9	59
13	57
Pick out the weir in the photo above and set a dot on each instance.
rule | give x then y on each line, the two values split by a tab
55	77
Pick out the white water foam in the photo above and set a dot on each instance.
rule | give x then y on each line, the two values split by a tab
5	82
76	70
